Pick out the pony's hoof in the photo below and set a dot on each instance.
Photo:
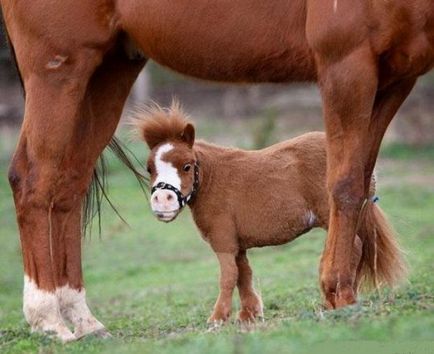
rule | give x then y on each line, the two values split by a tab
219	317
214	325
248	316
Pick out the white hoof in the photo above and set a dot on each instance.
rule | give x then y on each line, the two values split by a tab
74	309
41	310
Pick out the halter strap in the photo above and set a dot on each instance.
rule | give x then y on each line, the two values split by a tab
182	200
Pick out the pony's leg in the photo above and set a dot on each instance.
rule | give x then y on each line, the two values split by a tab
251	302
228	281
356	118
105	98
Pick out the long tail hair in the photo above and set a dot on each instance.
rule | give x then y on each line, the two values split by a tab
382	261
98	189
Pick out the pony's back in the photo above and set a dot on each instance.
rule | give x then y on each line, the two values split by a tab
273	194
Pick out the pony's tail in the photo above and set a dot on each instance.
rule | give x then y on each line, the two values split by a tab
382	261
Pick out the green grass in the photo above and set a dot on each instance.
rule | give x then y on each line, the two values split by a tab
403	152
153	284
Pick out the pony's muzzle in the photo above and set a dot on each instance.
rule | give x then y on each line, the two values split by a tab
164	204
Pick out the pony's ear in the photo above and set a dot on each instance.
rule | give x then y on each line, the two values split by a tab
188	134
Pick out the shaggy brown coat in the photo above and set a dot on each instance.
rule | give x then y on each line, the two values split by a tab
261	198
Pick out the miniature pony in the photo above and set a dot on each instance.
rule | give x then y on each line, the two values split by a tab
243	199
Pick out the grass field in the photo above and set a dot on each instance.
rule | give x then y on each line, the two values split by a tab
153	285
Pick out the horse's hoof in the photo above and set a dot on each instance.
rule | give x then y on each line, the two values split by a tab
61	333
66	337
101	333
328	304
345	297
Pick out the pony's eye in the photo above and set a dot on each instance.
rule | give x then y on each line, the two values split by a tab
186	167
149	170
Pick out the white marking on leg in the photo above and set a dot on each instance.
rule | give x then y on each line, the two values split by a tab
41	310
74	309
165	171
310	218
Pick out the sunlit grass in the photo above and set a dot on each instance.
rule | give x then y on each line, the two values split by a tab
154	284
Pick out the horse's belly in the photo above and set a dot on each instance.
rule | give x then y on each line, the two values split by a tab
274	231
223	41
271	239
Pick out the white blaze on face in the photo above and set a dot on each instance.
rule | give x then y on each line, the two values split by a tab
164	202
165	171
41	310
74	309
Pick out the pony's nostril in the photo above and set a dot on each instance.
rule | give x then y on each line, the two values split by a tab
156	198
169	197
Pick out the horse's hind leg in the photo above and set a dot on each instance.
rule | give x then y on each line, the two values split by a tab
356	116
251	302
355	267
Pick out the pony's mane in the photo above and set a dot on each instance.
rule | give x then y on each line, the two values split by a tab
156	124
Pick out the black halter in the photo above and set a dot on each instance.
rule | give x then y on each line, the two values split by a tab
182	200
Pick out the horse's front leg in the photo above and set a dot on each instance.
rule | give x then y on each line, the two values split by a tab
74	97
105	97
251	302
228	281
49	175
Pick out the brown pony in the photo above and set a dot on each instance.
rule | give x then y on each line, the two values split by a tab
78	60
243	199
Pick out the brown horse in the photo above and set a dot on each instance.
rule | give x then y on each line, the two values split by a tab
78	60
243	199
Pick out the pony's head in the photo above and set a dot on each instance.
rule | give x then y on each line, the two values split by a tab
172	163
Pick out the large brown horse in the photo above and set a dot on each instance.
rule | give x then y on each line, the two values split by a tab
78	60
